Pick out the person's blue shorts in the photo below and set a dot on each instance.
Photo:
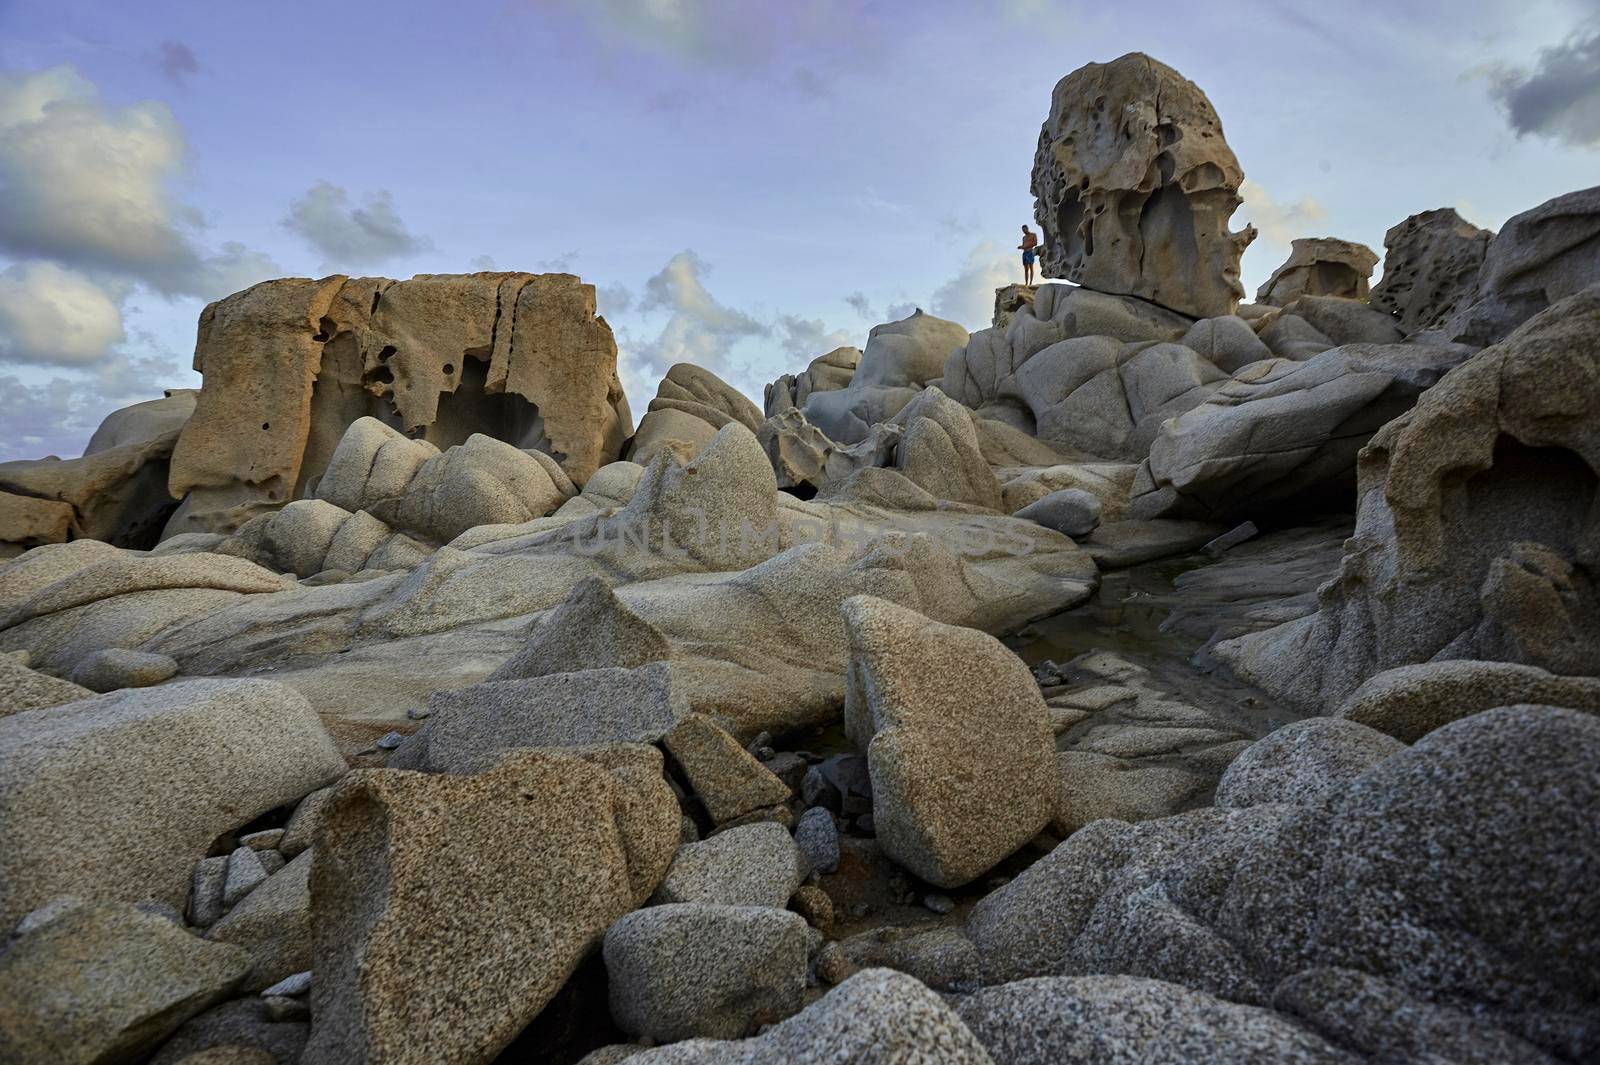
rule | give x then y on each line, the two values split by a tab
1027	258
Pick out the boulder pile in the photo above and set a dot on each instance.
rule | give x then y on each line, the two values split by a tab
1150	676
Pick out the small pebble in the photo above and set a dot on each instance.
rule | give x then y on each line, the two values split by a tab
939	903
390	740
261	841
832	965
418	713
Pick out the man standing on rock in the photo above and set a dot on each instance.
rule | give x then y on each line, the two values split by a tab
1029	242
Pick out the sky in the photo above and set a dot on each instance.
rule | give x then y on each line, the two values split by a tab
748	183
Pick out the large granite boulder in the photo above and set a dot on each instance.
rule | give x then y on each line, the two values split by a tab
446	911
22	688
1430	264
825	373
1538	258
1133	186
310	536
104	982
1281	429
1476	531
957	737
412	485
1447	879
1408	702
272	925
289	364
690	405
115	798
1096	1020
899	359
1320	266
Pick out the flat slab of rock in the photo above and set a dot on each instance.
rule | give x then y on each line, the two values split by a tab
958	741
447	910
471	728
106	982
118	796
697	969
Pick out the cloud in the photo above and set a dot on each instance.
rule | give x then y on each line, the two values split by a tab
483	264
350	236
57	417
560	264
86	185
613	299
1279	223
1560	97
700	330
968	297
51	316
806	338
861	305
719	33
177	61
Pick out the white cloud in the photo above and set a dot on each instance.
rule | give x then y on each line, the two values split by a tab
968	297
860	304
350	236
806	338
701	330
1279	223
53	316
87	185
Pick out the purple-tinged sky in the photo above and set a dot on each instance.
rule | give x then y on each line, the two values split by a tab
748	182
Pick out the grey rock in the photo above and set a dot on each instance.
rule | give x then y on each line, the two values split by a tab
273	925
472	727
1430	265
245	874
591	629
205	895
1409	702
1320	266
941	957
241	1032
1127	1020
116	667
1070	511
877	1017
297	834
104	982
817	836
117	797
390	740
1307	762
752	865
1539	258
696	969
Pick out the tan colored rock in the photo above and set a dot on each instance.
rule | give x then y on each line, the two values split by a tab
1320	266
29	522
1133	186
289	364
825	373
117	494
1409	702
688	395
105	982
22	688
726	777
272	925
446	911
958	741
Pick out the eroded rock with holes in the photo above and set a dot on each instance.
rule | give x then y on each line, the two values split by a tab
1430	264
1477	532
1134	185
289	364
